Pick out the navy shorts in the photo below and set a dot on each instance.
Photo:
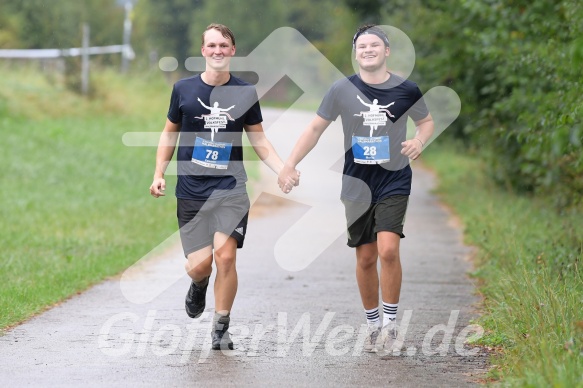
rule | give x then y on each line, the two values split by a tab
365	220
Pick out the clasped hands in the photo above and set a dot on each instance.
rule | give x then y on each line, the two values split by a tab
288	178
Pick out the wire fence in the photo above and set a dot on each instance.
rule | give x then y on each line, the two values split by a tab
84	52
70	52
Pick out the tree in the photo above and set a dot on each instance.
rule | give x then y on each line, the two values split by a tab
40	24
167	25
516	66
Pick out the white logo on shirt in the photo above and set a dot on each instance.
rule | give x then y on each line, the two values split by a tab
217	119
376	115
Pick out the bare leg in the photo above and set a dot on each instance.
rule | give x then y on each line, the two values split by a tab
391	273
199	264
367	275
226	281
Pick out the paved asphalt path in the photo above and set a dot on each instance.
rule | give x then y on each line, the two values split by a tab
297	319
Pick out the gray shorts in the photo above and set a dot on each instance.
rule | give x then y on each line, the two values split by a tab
365	220
200	220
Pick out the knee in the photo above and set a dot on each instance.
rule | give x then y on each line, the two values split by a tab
389	255
366	262
198	269
225	260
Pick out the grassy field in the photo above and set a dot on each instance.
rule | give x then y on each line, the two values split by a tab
529	261
75	202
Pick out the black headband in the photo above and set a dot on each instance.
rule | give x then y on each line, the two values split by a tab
373	31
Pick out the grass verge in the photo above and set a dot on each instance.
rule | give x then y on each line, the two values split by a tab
529	260
75	203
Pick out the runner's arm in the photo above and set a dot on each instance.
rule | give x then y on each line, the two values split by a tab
423	131
263	147
307	141
166	146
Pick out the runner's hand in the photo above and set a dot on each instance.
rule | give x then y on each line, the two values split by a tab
412	148
158	187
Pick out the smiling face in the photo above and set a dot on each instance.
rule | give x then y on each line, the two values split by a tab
217	50
371	52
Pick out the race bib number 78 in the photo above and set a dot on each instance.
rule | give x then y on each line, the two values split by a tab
211	154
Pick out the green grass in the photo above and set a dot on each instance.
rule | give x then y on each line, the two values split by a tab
75	202
529	263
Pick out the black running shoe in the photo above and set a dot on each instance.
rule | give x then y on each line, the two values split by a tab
221	337
195	300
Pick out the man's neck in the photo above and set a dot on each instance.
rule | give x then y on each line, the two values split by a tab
375	77
215	78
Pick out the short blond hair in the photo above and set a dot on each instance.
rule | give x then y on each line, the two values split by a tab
224	30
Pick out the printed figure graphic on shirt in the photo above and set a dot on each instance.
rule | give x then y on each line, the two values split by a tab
375	116
215	120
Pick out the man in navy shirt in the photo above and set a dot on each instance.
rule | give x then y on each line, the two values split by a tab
374	106
210	112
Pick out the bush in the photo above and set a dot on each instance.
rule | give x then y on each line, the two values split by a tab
516	66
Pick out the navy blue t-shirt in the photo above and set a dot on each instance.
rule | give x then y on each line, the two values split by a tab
379	110
212	118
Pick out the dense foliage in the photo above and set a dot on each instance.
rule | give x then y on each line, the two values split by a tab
517	68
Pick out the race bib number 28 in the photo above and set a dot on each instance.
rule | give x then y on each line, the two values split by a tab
370	150
211	154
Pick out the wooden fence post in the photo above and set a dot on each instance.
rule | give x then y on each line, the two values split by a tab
127	32
85	60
